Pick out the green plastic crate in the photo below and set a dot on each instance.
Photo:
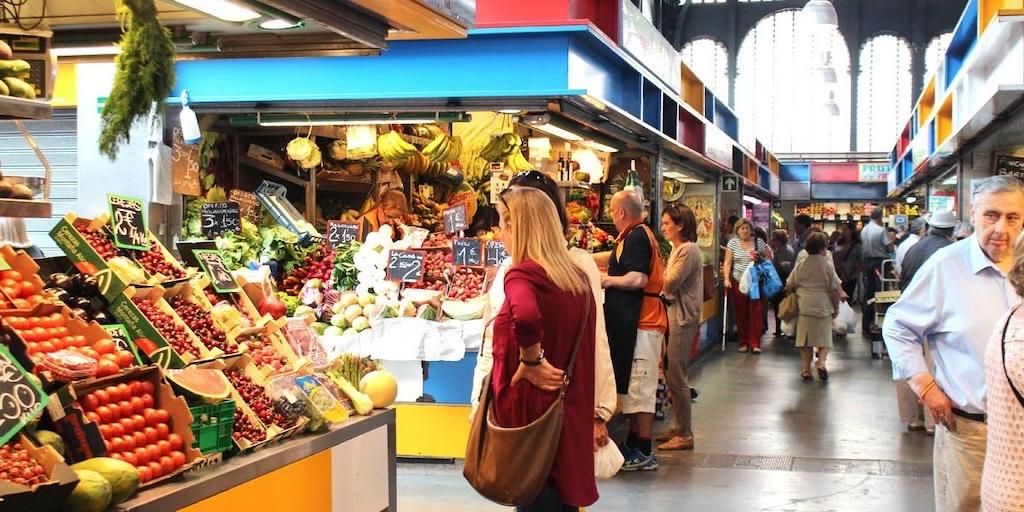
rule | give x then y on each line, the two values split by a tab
212	425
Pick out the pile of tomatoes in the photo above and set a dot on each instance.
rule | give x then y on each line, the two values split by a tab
17	465
134	430
48	334
20	291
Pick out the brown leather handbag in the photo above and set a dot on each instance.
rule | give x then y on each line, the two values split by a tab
510	466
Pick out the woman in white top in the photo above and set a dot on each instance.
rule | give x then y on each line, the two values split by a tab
744	249
604	377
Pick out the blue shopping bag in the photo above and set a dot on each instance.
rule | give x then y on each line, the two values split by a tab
768	278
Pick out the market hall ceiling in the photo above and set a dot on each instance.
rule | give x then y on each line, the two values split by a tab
346	26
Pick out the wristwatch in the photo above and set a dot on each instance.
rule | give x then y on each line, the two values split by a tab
527	362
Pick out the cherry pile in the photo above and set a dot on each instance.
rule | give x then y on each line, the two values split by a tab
155	263
244	429
100	242
168	328
133	430
262	351
17	465
466	283
201	323
256	397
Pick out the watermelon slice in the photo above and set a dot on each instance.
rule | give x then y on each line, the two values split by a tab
206	385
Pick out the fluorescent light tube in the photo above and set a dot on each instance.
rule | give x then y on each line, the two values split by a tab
599	147
82	51
561	133
752	200
279	24
343	122
222	9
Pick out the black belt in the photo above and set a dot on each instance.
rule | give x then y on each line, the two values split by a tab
981	418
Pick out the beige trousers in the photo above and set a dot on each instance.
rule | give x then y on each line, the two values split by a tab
910	408
958	458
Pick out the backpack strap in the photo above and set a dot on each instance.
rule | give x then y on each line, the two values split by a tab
1006	327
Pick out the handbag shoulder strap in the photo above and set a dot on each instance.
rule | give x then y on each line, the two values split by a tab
1003	347
576	347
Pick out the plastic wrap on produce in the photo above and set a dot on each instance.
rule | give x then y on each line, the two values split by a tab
359	344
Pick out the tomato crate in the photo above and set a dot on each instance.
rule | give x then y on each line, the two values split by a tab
212	425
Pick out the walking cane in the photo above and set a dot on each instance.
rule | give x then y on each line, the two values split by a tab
725	317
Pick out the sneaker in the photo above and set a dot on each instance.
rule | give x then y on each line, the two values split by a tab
677	443
641	462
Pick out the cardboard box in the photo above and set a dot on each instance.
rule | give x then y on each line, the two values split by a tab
164	398
42	497
82	438
160	352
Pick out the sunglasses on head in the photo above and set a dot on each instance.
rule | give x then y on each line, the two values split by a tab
531	175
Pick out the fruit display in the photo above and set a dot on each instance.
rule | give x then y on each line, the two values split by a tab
381	387
205	385
262	351
201	323
427	212
19	290
443	149
466	283
319	264
590	238
393	148
100	241
257	399
165	324
14	74
17	465
81	293
468	310
54	347
244	429
124	479
156	263
92	494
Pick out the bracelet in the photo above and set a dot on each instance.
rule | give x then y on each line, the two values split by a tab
527	362
928	388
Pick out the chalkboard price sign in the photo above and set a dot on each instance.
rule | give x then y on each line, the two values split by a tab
342	233
128	222
455	219
220	277
467	252
1009	165
405	266
248	204
495	253
20	400
219	218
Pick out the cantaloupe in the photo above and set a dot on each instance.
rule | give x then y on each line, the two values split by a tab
381	387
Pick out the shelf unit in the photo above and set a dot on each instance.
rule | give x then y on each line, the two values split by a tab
18	109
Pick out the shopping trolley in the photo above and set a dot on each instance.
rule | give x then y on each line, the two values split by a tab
884	298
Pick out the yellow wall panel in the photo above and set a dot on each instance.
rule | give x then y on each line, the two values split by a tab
65	89
432	430
304	485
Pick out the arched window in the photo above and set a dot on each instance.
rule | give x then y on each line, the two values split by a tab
884	90
709	59
793	86
934	53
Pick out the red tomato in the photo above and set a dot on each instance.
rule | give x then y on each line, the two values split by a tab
156	468
178	458
104	346
81	341
142	454
105	431
108	445
90	402
57	343
150	415
162	430
137	407
139	422
106	368
35	299
130	458
145	474
147	387
135	385
108	357
12	292
15	322
176	441
115	412
88	352
153	451
129	443
126	408
126	392
28	289
165	447
147	400
11	283
116	430
21	304
102	396
117	445
104	414
45	347
152	436
127	424
116	456
11	274
125	359
140	439
162	416
167	463
63	331
31	347
115	394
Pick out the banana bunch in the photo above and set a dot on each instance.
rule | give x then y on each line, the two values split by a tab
393	148
500	147
517	163
443	149
427	211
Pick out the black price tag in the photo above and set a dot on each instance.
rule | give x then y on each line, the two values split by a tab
455	219
1009	165
220	218
20	400
220	277
495	253
128	222
405	266
342	233
467	252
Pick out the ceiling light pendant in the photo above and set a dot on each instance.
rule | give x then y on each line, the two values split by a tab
820	13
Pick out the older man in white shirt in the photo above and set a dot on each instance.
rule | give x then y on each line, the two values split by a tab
917	229
953	303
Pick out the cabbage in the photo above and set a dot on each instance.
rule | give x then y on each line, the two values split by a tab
300	148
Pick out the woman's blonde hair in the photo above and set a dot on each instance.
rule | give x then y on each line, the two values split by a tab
740	223
538	237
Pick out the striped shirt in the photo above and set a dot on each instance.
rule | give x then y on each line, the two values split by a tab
741	257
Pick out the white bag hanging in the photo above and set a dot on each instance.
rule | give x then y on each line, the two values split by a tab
789	328
846	320
745	281
607	461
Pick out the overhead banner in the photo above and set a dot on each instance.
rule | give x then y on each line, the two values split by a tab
873	172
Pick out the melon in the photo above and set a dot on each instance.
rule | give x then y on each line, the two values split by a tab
91	494
381	387
419	297
210	386
122	476
52	439
333	331
427	312
459	310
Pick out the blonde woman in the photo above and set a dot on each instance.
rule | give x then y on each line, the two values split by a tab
743	250
547	298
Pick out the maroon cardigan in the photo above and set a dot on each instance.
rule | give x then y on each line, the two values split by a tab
536	310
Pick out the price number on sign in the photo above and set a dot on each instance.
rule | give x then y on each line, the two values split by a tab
219	218
184	165
495	253
20	399
220	277
467	252
248	203
128	222
342	233
455	219
405	266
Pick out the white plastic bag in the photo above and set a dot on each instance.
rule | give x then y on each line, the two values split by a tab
607	461
845	321
789	328
745	282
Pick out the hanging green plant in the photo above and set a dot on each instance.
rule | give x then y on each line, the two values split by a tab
144	76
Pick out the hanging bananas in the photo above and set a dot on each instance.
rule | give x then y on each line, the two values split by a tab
393	148
443	149
517	163
501	147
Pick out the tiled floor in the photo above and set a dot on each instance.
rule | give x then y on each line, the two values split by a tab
765	441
